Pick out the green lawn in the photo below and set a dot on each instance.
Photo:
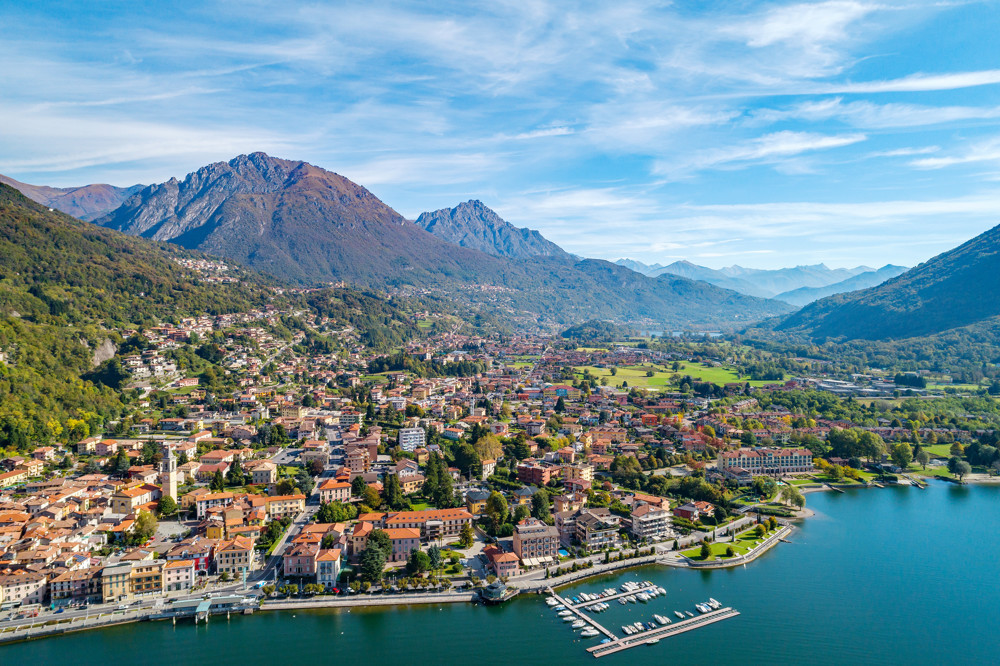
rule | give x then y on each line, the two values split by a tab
635	375
424	323
939	450
743	544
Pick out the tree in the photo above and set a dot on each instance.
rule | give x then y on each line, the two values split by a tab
218	483
379	540
497	509
923	458
962	468
166	505
521	512
706	550
540	507
392	493
434	553
371	498
488	447
729	551
358	486
760	530
268	590
145	526
285	487
336	512
418	562
792	495
466	536
560	405
372	564
901	454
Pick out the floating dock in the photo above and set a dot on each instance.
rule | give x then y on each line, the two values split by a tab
618	643
696	622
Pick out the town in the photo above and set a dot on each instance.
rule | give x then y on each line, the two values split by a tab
287	467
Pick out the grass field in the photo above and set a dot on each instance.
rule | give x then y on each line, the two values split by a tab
938	450
635	375
743	544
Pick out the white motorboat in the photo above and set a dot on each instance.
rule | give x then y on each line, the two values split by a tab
579	624
589	633
565	613
679	614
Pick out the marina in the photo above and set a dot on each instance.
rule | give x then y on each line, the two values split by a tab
570	609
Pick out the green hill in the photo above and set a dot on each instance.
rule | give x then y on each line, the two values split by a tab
956	289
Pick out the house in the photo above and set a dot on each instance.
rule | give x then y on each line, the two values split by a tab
333	490
300	559
280	506
489	466
536	543
694	510
595	529
147	577
265	474
534	473
76	586
235	556
116	582
328	567
25	587
651	522
404	540
203	503
178	575
475	501
524	495
411	439
503	563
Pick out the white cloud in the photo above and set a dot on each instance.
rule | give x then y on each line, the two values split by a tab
916	83
765	148
987	151
869	115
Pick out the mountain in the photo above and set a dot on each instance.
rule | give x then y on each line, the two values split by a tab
806	295
87	202
296	222
301	223
955	289
473	225
639	267
762	283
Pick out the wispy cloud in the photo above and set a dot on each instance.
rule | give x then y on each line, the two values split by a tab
986	151
765	148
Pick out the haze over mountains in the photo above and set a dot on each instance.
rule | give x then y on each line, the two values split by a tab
958	288
798	285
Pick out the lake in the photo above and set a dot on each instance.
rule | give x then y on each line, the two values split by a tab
899	575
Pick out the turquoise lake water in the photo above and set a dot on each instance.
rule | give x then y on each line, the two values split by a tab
899	575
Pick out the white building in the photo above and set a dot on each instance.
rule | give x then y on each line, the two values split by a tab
411	439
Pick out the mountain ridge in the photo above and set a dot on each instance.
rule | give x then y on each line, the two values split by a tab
474	225
302	223
955	289
86	202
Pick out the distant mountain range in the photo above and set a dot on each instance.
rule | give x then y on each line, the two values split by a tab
309	226
87	202
473	225
806	295
956	289
752	281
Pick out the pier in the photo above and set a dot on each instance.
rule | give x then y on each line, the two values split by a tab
666	631
618	643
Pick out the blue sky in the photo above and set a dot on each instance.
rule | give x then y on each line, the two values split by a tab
763	134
